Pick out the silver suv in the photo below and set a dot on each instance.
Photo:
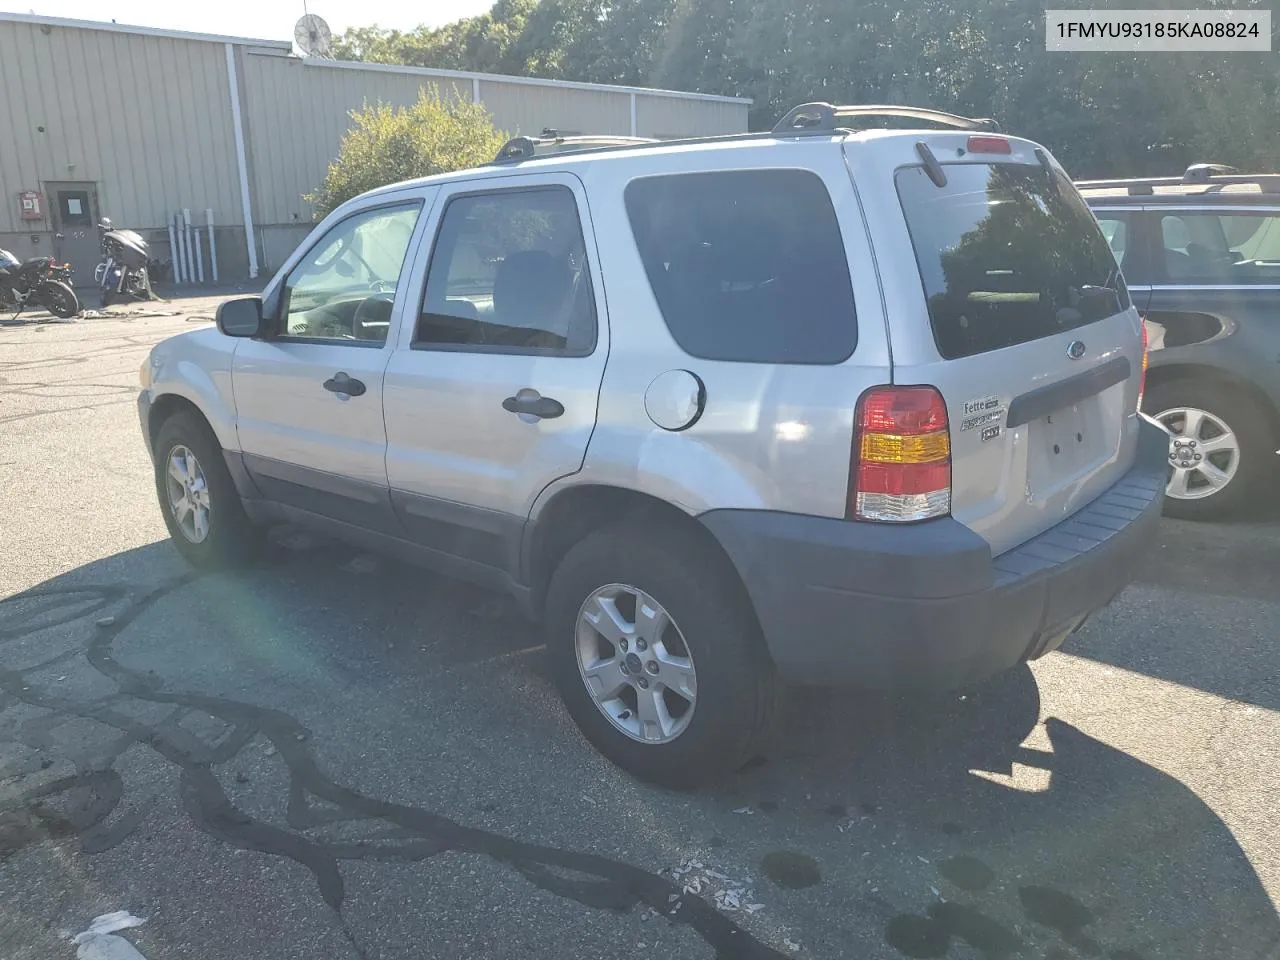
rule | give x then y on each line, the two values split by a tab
826	405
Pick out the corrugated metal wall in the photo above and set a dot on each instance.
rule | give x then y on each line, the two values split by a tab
530	109
298	110
147	118
670	117
295	116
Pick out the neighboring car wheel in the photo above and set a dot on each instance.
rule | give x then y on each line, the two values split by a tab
198	498
1220	447
658	656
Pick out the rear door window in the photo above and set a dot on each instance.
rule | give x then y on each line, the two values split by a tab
509	275
1231	249
1116	230
1006	255
746	265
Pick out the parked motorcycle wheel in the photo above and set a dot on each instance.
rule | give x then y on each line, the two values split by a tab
59	299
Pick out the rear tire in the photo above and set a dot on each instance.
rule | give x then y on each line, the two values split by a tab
59	299
190	470
712	628
1245	453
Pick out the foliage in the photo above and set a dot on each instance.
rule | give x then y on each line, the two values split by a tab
1101	113
387	145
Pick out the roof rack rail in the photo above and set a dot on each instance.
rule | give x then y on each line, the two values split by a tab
1214	176
550	142
826	116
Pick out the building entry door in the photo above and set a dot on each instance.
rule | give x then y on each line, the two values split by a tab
73	207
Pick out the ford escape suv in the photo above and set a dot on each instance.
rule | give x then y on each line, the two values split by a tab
833	404
1202	254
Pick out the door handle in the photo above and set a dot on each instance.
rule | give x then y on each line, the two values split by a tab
341	383
533	404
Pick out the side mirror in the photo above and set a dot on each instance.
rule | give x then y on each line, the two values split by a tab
241	317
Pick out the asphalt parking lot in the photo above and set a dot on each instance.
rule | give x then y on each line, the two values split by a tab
333	756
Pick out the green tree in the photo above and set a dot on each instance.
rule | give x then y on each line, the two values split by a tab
1102	114
483	43
387	145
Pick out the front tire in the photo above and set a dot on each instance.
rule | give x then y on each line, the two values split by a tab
198	498
59	299
658	656
1220	447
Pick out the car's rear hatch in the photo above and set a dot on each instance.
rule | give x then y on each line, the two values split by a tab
1001	291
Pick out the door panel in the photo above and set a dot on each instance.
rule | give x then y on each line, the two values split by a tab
309	398
305	445
510	316
1215	284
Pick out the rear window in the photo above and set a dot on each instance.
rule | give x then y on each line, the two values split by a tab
1006	255
746	265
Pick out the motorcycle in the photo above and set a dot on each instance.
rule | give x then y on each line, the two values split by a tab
41	281
123	270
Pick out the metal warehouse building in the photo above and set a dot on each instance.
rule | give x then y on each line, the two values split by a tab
138	125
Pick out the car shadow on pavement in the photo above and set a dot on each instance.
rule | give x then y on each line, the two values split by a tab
938	831
1012	833
1203	611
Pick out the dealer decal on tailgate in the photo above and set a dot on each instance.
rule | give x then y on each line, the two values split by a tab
985	412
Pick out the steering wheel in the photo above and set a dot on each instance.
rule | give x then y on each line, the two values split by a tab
372	312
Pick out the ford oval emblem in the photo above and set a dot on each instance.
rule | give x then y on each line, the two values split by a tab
1075	349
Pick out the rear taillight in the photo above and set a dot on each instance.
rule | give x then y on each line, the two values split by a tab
988	145
901	464
1142	379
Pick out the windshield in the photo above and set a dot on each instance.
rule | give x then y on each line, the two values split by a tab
1006	255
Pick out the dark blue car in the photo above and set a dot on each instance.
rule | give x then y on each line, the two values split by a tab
1201	255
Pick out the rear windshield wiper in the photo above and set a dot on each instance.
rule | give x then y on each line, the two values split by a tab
1089	290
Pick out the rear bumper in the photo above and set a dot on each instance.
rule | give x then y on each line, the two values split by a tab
926	605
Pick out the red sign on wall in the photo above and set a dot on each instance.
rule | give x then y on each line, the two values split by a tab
31	205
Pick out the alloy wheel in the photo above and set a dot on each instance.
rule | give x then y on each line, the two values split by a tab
1203	451
188	493
635	664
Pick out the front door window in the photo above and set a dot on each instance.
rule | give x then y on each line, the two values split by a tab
343	289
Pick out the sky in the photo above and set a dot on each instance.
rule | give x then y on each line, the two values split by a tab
260	19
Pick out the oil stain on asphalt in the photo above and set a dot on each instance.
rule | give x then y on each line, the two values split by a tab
90	800
967	873
789	870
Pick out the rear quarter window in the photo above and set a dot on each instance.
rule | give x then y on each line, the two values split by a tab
1006	255
746	265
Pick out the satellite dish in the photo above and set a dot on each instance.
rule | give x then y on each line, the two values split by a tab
311	34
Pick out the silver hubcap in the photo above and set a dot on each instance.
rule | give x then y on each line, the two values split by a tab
188	494
1203	452
635	664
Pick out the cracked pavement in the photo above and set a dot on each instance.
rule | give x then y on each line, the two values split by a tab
335	755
